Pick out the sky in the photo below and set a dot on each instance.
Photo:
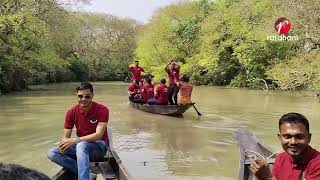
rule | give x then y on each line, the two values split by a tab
141	10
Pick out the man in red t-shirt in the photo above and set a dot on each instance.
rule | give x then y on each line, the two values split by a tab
91	142
299	161
134	92
136	72
173	71
147	90
162	93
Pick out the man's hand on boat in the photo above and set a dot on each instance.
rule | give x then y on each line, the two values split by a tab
260	170
66	143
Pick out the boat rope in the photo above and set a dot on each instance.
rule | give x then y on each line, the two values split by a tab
255	154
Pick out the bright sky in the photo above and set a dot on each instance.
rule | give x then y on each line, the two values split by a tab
141	10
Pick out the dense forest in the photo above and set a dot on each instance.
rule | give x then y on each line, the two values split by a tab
41	42
225	42
222	42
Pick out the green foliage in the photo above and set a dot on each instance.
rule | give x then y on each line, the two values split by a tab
185	34
80	70
45	65
300	72
40	42
224	42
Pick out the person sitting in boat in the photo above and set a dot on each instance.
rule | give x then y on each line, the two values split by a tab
173	70
91	141
185	90
134	92
14	171
147	90
161	94
299	161
136	72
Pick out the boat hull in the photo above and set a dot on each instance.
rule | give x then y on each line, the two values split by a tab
171	110
250	149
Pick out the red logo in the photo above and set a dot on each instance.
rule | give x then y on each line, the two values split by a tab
282	25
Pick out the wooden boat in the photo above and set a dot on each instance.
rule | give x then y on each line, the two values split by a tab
111	167
171	110
250	149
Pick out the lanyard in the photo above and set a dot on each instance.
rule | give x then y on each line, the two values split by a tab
302	175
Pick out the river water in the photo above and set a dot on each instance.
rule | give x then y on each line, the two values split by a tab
152	146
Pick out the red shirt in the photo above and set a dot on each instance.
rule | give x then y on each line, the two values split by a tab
136	72
162	94
173	75
285	169
86	122
147	92
134	89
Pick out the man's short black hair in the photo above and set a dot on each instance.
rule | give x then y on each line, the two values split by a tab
13	172
136	61
163	81
294	118
85	85
148	79
185	78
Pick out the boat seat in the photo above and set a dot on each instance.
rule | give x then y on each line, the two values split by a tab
104	167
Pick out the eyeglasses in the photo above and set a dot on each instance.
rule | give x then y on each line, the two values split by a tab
86	96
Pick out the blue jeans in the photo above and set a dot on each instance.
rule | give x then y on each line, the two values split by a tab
78	157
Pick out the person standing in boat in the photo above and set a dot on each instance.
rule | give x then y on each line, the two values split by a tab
91	141
185	90
173	71
136	72
134	92
299	161
147	90
161	94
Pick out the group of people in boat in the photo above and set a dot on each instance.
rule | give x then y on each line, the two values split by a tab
145	92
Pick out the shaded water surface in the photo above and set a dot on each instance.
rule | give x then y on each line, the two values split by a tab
153	146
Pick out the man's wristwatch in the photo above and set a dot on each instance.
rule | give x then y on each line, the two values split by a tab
78	139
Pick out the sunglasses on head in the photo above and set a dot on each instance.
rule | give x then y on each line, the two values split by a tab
86	96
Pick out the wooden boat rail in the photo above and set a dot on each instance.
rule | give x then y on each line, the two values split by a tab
248	144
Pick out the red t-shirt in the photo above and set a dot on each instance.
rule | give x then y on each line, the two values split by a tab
86	122
134	89
173	75
147	92
162	94
285	169
136	72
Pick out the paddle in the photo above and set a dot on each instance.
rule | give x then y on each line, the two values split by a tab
199	114
158	52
